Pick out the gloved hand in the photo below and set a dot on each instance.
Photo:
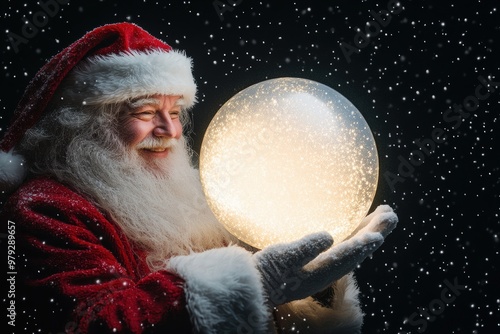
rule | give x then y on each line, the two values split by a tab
302	268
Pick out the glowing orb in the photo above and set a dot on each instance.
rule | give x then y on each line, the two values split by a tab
287	157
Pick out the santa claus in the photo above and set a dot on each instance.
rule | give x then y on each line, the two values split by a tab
113	231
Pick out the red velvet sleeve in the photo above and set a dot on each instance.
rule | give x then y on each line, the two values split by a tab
79	273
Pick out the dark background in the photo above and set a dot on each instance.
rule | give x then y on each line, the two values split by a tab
427	58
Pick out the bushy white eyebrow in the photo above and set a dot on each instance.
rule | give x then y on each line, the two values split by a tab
141	102
180	102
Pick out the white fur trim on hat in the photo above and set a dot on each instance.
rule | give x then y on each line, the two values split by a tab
224	292
12	171
119	77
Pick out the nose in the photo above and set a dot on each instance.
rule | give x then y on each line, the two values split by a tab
164	126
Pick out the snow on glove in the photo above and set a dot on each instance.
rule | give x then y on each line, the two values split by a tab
302	268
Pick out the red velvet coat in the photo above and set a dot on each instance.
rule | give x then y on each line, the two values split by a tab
78	273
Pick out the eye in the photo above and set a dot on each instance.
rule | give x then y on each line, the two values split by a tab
145	115
174	113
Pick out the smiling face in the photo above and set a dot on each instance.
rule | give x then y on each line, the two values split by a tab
151	125
133	159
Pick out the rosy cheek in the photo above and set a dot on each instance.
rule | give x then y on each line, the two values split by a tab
134	132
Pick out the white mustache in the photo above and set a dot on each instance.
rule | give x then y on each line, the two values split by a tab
157	143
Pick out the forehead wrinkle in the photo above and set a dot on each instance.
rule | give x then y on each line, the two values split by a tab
151	101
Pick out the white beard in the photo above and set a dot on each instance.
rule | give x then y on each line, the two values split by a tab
162	209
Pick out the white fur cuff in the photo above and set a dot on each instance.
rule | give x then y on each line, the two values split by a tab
344	316
224	293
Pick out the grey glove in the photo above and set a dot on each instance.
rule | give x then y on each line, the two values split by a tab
302	268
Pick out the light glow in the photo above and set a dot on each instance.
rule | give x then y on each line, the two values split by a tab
287	157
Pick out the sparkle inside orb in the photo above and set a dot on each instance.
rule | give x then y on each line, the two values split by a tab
287	157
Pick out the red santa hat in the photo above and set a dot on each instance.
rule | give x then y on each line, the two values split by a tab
110	64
